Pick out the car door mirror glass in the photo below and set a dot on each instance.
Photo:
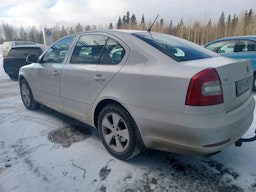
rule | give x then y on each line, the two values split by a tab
33	58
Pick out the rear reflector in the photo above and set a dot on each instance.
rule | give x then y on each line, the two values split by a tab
205	89
218	144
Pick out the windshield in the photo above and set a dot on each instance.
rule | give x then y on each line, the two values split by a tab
176	48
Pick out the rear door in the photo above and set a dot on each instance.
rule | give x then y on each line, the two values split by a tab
94	62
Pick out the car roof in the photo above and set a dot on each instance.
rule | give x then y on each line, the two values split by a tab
20	42
26	46
245	37
109	31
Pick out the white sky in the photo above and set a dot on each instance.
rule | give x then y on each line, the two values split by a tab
48	13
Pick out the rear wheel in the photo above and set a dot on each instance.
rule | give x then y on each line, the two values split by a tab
27	96
118	132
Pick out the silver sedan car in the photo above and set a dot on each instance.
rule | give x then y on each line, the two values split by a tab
143	90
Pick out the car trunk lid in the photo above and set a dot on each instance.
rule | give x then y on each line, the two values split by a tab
236	78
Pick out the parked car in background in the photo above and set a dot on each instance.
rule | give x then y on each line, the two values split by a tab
9	44
238	47
16	58
142	90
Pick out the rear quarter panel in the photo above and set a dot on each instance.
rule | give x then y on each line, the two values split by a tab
150	79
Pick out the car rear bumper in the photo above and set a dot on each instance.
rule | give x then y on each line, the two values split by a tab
202	134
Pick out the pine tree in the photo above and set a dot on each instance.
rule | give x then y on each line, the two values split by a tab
142	23
221	25
119	23
110	26
229	26
234	24
248	22
127	18
134	22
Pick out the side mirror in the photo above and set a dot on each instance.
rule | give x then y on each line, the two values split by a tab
32	58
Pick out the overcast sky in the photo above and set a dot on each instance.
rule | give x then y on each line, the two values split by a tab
47	13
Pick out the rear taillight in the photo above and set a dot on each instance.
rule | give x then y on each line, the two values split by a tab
205	89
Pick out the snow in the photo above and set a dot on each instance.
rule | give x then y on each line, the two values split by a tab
31	162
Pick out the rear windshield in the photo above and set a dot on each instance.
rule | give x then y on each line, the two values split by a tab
176	48
24	52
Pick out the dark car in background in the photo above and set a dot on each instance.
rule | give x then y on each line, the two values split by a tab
16	58
237	47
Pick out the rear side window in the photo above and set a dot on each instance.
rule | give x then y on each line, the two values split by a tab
176	48
24	52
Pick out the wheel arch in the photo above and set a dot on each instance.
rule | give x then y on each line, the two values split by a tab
139	137
105	102
100	106
33	104
22	78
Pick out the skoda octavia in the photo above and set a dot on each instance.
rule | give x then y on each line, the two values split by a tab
142	90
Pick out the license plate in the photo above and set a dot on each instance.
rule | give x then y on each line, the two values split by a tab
243	86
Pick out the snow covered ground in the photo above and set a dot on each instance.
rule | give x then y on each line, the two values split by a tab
44	151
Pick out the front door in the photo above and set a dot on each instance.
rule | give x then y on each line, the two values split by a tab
47	76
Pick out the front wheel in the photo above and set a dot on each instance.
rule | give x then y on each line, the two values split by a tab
27	96
118	132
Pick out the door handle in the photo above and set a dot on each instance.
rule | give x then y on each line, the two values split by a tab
55	73
99	78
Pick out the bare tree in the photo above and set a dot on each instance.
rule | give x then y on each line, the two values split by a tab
22	34
9	32
78	28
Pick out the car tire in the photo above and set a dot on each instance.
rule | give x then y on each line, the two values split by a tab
27	96
254	83
118	132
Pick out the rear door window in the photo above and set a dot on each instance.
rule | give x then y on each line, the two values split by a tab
246	46
97	49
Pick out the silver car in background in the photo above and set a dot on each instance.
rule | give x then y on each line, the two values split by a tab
143	90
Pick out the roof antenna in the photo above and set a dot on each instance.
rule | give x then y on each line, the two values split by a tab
149	29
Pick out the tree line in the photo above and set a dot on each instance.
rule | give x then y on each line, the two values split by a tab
196	31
